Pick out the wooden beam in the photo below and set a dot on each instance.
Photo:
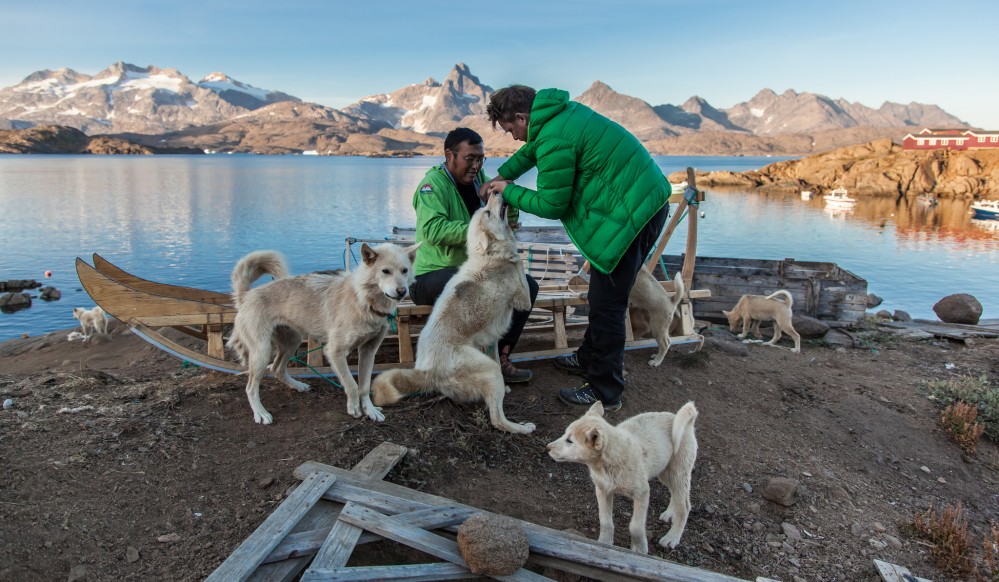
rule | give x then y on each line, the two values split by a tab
252	552
409	572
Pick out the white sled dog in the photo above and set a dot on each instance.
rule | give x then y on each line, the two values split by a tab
91	321
757	308
623	458
471	314
347	311
652	309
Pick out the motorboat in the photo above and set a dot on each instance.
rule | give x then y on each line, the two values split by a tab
985	209
839	197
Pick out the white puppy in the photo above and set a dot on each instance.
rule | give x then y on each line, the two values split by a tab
91	321
623	458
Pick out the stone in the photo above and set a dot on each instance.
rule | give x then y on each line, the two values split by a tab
77	573
265	482
15	300
883	314
809	327
856	529
792	533
49	293
900	315
873	300
879	527
168	538
131	554
747	487
493	545
781	490
959	308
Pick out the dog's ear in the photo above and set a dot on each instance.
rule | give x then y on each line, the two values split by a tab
726	313
77	311
368	254
597	409
411	251
594	439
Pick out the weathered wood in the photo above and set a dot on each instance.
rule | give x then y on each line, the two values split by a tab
409	572
388	497
252	552
177	291
893	573
376	464
417	538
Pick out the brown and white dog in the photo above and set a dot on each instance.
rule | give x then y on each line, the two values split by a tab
759	308
623	458
651	309
91	321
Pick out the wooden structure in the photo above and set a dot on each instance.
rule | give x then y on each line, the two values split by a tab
145	306
317	528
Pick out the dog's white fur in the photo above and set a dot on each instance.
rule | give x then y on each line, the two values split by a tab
651	309
347	311
623	458
91	321
759	308
471	315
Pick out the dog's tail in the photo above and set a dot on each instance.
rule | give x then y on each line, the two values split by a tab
683	425
789	300
680	290
394	385
252	267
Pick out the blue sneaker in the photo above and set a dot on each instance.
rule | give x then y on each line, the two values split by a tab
585	396
570	364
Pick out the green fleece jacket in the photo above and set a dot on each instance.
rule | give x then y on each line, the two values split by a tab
442	221
593	176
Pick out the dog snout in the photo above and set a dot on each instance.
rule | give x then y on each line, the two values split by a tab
400	292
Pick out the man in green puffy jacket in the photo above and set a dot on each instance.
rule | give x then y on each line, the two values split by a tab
445	200
605	188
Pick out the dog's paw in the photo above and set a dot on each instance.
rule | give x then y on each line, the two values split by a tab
669	541
354	410
507	389
667	515
640	547
528	427
263	417
300	386
375	413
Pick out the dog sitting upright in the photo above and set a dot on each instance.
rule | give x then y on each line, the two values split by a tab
347	311
471	315
759	308
623	458
91	321
651	310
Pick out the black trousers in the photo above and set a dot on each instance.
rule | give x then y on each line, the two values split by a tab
602	350
426	288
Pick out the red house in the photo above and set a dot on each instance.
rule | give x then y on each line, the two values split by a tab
951	139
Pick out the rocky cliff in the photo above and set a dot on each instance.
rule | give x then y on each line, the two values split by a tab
879	167
54	139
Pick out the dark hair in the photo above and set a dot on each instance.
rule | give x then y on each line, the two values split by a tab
460	135
508	102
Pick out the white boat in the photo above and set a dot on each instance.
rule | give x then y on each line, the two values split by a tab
926	200
839	197
806	194
986	209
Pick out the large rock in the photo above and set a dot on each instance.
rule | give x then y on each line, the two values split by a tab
873	300
782	490
493	545
49	293
809	327
15	301
959	308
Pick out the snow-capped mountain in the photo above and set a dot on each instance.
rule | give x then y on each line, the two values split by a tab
127	98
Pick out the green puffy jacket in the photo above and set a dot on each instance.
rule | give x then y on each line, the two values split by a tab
442	221
593	175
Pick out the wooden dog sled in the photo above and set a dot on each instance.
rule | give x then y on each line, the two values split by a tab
147	307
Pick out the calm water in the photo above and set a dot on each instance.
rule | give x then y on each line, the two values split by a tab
186	220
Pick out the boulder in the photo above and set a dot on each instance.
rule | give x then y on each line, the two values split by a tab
883	314
809	327
782	490
493	545
15	301
873	300
900	315
959	308
49	293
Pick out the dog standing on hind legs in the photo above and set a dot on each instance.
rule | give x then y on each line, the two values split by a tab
759	308
347	311
623	458
652	309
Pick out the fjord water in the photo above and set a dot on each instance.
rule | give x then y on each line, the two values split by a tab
187	219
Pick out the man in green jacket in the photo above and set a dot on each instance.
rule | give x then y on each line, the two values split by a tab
605	188
444	202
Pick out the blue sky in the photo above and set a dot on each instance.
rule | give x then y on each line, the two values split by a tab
662	51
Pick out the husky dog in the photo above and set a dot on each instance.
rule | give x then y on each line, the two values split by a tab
652	308
91	321
757	308
471	315
345	310
623	458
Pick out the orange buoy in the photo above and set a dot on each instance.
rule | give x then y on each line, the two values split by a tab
48	274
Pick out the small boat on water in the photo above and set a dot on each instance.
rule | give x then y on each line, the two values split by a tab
806	194
926	200
986	209
839	197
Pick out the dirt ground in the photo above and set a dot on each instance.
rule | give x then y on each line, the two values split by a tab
111	445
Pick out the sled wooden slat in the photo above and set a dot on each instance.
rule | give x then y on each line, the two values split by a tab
894	573
252	552
410	572
566	551
376	464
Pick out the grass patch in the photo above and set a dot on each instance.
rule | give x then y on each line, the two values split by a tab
947	531
959	421
976	391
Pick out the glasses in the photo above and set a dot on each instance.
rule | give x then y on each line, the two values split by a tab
470	159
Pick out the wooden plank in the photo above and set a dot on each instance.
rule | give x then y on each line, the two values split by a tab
410	572
894	573
216	346
544	541
252	552
578	569
376	464
417	538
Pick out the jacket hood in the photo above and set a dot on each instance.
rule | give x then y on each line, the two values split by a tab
547	104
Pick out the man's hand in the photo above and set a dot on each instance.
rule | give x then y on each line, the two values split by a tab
489	188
